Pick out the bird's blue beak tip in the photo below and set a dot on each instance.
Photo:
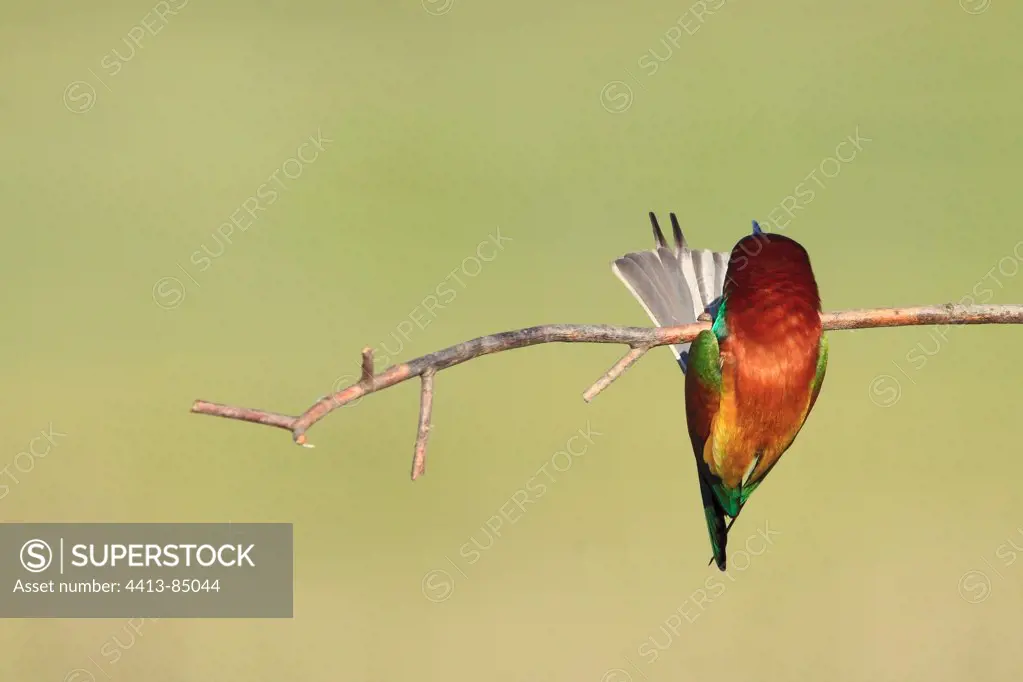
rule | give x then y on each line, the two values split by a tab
756	228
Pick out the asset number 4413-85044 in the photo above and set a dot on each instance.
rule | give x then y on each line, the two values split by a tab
176	585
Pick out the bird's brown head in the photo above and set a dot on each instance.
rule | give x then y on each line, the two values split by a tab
769	277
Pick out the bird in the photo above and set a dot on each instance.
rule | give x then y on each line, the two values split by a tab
752	379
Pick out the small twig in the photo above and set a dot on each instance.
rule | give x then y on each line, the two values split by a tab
423	432
639	339
367	366
627	361
245	414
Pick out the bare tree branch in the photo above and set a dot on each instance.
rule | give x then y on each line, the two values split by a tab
639	340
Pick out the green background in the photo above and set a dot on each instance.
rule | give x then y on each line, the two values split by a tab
446	127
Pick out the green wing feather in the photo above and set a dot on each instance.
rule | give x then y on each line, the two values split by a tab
703	397
822	368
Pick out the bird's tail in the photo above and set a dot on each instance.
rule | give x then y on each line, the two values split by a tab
715	523
674	285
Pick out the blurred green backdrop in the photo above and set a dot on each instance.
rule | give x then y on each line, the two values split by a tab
132	131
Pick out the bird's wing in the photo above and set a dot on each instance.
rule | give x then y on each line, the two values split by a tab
703	399
818	378
703	389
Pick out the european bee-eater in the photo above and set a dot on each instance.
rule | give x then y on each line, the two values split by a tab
752	379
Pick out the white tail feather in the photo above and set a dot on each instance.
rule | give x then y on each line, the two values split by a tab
674	286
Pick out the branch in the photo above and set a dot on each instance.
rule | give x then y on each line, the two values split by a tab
423	432
627	361
367	365
639	340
